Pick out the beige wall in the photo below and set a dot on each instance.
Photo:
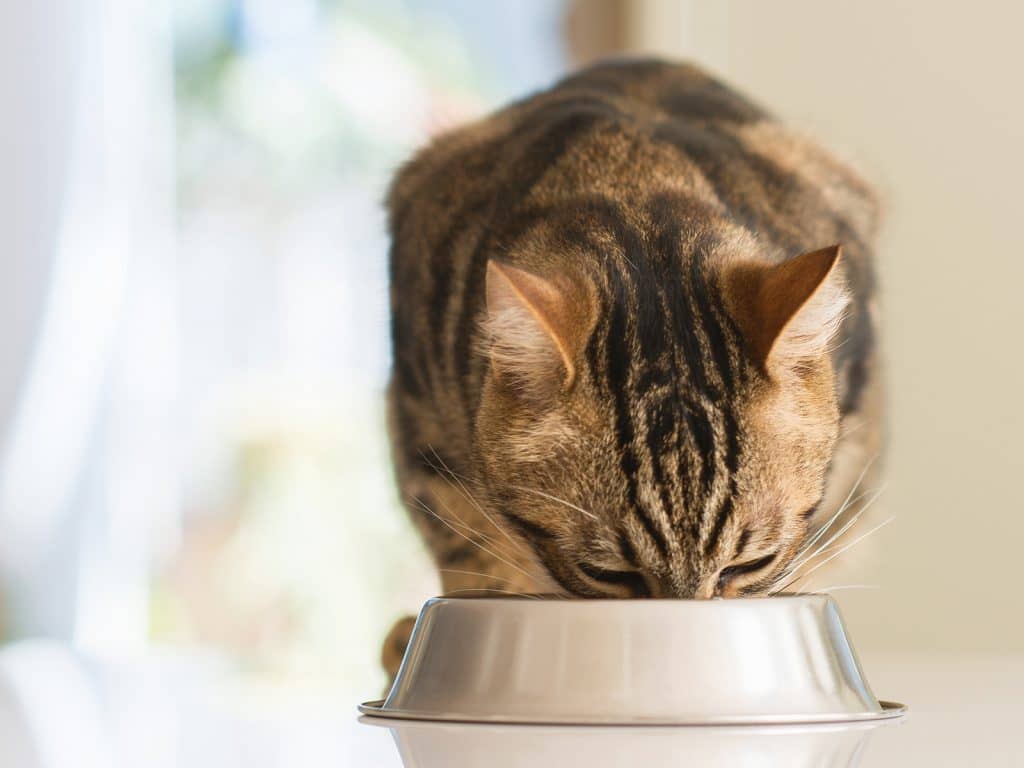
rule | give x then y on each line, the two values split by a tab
927	99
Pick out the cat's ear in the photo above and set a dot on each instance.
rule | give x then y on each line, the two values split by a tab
789	312
532	329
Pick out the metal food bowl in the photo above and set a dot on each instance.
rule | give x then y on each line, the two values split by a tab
751	661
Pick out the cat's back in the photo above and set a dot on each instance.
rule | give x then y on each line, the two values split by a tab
628	129
659	89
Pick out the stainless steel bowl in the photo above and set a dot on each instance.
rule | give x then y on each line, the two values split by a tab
751	661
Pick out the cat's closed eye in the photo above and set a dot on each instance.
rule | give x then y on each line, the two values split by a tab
732	573
631	581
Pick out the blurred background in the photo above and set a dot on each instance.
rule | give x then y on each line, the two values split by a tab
195	492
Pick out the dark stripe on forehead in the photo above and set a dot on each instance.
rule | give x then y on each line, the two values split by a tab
681	311
662	423
668	414
680	292
656	382
661	426
695	455
732	442
674	214
724	512
627	550
731	461
618	365
742	369
699	423
712	329
679	307
653	533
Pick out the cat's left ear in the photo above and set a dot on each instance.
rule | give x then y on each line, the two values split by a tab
534	327
789	312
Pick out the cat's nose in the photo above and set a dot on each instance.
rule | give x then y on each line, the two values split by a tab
685	588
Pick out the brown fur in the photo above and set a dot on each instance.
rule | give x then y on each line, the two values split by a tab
615	373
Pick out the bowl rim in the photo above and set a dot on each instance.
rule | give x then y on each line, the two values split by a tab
889	710
574	602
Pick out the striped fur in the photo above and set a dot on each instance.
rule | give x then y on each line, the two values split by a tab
678	457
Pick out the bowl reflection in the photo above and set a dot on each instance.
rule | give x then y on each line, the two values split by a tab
465	745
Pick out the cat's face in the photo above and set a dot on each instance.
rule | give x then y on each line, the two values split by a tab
661	440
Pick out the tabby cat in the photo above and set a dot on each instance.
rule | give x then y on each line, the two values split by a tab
633	330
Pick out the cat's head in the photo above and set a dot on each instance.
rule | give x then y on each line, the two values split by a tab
662	435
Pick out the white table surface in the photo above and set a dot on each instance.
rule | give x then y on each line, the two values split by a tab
59	710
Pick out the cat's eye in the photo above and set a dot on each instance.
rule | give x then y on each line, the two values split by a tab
631	580
733	572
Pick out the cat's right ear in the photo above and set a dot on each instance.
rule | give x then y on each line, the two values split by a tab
533	329
788	311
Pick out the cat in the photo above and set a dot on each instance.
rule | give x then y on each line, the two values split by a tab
634	335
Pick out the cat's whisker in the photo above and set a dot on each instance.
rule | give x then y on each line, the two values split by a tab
840	587
465	530
802	555
456	520
526	573
469	497
847	502
842	508
855	428
499	591
801	558
548	496
807	574
836	345
823	547
825	527
476	573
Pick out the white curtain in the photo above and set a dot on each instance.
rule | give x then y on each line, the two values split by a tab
87	352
